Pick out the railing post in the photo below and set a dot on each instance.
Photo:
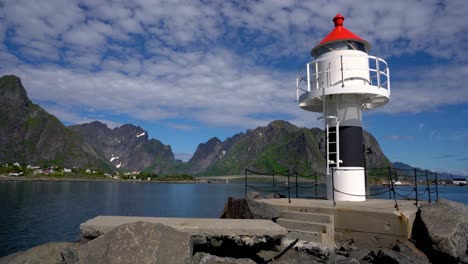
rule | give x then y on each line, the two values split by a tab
393	188
333	186
289	189
245	181
316	76
297	195
388	80
377	71
416	185
390	182
428	189
297	87
437	188
308	77
274	182
315	185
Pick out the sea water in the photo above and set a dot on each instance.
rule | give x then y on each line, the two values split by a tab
37	212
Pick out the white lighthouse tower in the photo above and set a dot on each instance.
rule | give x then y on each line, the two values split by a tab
341	82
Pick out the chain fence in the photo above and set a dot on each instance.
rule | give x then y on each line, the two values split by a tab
388	183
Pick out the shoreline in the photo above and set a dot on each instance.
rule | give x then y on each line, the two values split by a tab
76	179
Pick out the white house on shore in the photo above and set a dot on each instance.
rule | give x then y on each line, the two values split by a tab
459	181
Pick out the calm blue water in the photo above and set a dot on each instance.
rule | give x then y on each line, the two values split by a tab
32	213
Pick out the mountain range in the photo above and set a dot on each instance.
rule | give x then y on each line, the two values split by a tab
29	134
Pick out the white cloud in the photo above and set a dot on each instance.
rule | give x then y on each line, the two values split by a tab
68	116
180	126
210	62
428	88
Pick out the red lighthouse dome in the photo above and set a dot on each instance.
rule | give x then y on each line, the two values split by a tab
340	34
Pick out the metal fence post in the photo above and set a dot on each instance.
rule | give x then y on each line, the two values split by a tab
315	185
416	185
297	195
245	183
393	189
289	190
428	188
273	181
437	188
390	182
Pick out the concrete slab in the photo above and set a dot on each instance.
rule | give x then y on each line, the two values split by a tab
374	221
196	226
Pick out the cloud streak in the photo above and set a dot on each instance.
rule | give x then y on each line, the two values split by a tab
398	137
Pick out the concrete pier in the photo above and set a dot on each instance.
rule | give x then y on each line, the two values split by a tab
196	226
370	223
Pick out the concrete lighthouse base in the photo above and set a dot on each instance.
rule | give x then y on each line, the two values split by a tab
349	183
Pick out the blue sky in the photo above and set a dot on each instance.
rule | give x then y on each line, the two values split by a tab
187	71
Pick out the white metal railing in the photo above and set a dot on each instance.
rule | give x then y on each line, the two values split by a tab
379	74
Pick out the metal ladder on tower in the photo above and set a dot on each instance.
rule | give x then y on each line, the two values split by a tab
332	145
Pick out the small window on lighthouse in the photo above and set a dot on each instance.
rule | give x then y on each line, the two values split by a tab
354	45
340	45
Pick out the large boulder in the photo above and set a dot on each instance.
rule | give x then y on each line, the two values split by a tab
262	210
237	209
45	253
248	209
441	231
138	242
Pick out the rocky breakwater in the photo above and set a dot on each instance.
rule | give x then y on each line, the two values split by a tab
440	235
108	239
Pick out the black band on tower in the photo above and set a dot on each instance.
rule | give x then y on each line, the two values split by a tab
351	146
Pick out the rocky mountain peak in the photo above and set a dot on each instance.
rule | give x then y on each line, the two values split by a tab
97	125
127	147
13	94
282	124
130	132
30	134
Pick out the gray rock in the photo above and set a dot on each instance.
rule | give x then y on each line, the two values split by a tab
205	258
409	250
442	230
253	195
339	259
403	253
46	253
262	210
70	255
236	209
292	256
248	209
274	196
138	242
88	234
390	256
315	249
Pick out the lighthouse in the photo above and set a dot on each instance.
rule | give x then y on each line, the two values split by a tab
341	82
